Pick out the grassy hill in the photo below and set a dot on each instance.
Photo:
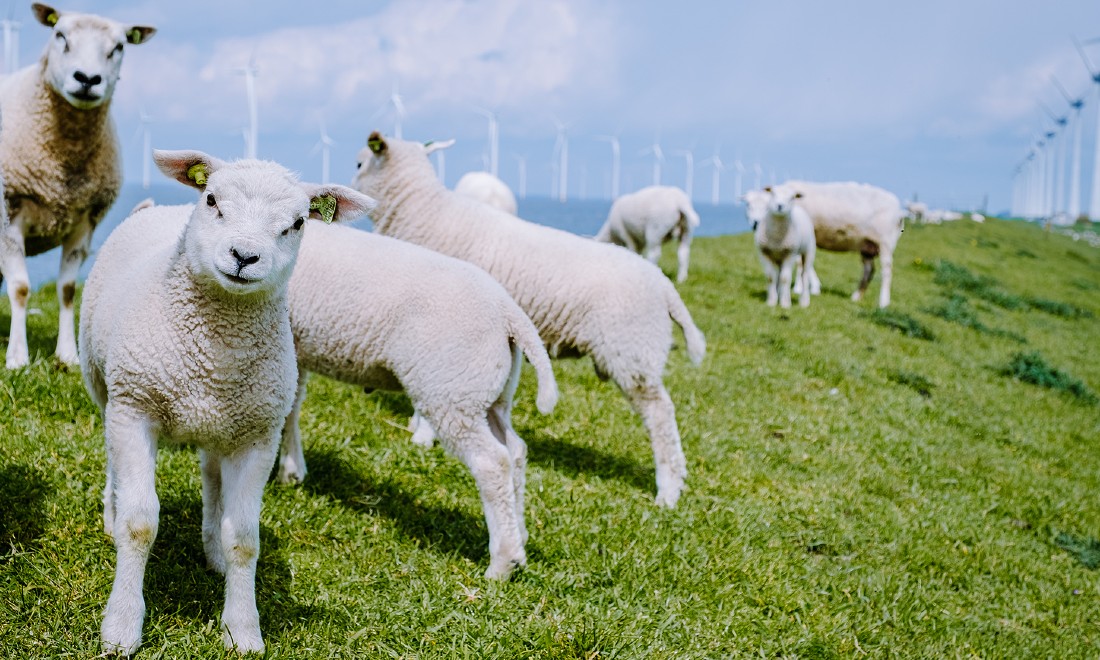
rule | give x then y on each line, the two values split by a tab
920	482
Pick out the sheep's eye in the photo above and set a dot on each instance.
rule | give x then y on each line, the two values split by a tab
298	223
359	165
63	40
210	201
117	50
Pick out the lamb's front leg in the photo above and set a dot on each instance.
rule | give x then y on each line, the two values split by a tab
784	284
13	265
243	477
683	255
292	461
773	276
74	250
132	454
210	464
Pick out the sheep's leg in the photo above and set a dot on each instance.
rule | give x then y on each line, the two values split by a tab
132	451
868	273
798	279
109	500
501	415
74	250
292	462
784	284
243	476
212	511
683	254
653	251
423	433
773	277
886	260
815	283
13	265
806	263
652	402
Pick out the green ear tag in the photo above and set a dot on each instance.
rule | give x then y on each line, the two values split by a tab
197	173
52	17
376	144
135	36
325	205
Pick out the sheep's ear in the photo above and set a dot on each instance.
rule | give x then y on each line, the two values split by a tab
45	14
191	168
139	34
335	203
435	145
798	195
768	189
377	144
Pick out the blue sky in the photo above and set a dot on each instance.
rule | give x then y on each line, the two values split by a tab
936	98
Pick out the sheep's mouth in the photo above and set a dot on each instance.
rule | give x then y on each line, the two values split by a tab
86	96
237	279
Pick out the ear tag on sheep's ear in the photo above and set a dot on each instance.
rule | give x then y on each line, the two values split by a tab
134	36
51	18
376	143
197	173
325	205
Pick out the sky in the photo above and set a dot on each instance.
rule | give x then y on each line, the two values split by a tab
937	99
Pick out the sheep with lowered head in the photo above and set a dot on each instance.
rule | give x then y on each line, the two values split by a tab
585	297
386	314
784	237
185	338
643	220
59	158
487	188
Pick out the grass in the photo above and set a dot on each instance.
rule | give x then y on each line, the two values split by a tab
1032	368
834	509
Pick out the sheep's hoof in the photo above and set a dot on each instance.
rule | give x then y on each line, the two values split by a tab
857	296
503	570
16	361
667	500
246	639
121	637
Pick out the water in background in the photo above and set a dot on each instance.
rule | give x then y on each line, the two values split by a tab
583	217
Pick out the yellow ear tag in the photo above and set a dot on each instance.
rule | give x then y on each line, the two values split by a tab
135	36
51	18
197	173
376	145
325	205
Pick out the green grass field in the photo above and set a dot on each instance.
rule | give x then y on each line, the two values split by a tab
916	483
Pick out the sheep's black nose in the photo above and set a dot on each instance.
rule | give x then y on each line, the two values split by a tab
83	79
244	261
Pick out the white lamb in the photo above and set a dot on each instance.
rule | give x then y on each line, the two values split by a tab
386	314
185	338
60	161
584	297
756	206
856	217
642	221
783	238
487	188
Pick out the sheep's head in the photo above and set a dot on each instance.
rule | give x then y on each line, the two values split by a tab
780	199
85	53
246	228
384	155
756	206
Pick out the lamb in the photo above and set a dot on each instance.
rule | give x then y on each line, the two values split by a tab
584	297
784	237
185	338
487	188
385	314
642	221
851	217
59	159
756	206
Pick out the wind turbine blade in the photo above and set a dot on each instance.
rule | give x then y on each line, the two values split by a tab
1084	57
1062	90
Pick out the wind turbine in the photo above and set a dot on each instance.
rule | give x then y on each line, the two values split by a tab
252	135
757	172
616	163
1057	170
1073	208
715	161
522	176
441	166
689	158
11	43
146	149
658	158
324	145
398	104
494	138
739	169
561	148
1094	204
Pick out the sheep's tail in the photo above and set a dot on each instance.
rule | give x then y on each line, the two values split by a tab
696	343
526	337
688	214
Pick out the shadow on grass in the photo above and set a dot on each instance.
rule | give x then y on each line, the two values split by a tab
22	490
573	460
444	529
394	403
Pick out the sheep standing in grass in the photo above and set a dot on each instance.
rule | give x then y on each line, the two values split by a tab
386	314
784	237
756	206
487	188
642	221
185	338
59	158
584	297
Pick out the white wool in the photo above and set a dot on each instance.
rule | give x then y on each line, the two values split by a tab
59	158
584	297
644	220
386	314
185	338
487	188
784	237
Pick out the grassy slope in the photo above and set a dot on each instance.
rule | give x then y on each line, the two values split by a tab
833	508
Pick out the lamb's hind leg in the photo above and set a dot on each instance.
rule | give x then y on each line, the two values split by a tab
868	251
650	398
74	250
13	264
292	461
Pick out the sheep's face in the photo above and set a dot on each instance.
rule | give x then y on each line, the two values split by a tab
83	57
781	199
384	155
756	206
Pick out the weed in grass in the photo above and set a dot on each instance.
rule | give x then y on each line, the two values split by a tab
917	382
1080	283
1055	308
902	322
955	277
1027	254
957	309
1032	368
1086	550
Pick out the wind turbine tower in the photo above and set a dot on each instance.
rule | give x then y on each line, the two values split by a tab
1094	204
494	138
739	171
146	149
658	158
561	148
616	163
441	166
11	43
324	145
1073	207
689	182
252	132
1058	168
522	176
715	161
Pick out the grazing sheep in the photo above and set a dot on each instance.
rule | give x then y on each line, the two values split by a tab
59	158
585	297
916	211
185	338
386	314
486	188
642	221
855	217
784	237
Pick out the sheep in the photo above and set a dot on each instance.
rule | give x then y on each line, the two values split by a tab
917	211
784	237
851	217
385	314
185	337
487	188
59	158
584	297
756	206
642	221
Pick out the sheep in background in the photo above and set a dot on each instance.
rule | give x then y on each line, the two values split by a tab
642	221
185	338
59	158
756	206
487	188
783	238
386	314
917	211
585	297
